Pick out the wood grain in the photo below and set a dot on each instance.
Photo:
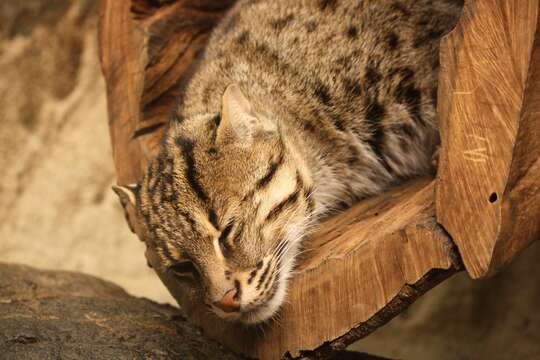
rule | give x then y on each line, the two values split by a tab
488	110
122	62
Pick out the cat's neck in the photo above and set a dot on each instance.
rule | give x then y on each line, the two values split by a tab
328	186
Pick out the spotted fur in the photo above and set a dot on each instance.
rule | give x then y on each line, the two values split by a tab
298	107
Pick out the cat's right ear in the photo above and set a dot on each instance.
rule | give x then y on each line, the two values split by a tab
240	123
127	194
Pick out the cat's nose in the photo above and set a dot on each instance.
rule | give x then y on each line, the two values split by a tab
229	302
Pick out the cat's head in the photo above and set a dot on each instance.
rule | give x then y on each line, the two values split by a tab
225	206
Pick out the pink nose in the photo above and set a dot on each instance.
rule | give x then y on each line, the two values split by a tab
228	302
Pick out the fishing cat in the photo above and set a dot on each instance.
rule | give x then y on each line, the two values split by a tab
298	108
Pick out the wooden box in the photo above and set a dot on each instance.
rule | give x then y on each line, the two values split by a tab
372	261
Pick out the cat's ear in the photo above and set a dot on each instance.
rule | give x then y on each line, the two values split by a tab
127	194
240	123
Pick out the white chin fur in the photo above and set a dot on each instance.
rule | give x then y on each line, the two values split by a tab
271	307
267	310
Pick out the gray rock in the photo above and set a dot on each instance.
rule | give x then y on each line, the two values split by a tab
65	315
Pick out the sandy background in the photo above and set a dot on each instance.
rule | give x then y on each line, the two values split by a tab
57	210
56	207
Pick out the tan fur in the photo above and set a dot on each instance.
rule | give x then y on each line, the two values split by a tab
299	107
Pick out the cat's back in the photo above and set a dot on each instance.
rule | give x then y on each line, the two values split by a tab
326	48
311	33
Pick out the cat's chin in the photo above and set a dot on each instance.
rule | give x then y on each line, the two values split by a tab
267	310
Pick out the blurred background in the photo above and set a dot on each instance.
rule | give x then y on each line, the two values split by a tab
57	210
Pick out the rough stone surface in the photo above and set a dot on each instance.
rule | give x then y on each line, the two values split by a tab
64	315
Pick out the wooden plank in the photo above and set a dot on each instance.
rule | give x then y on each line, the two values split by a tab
366	265
520	209
489	132
122	63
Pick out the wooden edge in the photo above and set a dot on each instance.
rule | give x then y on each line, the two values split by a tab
388	253
122	63
406	297
520	209
489	126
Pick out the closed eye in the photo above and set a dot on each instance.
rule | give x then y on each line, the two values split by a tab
224	244
185	269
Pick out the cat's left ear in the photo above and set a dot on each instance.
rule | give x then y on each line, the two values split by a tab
240	122
127	195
